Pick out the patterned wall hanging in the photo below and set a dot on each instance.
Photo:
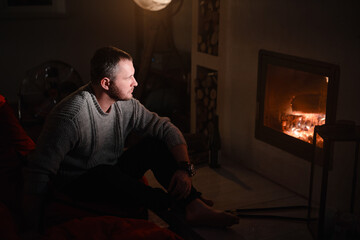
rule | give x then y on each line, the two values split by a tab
206	95
208	26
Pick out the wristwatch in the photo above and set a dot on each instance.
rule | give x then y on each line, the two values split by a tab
187	167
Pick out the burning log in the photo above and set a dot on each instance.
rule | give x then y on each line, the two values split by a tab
301	126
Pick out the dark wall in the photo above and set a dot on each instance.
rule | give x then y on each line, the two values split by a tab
26	42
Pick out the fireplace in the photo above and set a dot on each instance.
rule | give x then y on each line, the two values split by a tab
294	95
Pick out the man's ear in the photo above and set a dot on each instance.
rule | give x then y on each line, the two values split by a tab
105	83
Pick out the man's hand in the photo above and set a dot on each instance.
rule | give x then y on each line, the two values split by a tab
180	185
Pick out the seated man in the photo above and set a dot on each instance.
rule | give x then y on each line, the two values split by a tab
81	149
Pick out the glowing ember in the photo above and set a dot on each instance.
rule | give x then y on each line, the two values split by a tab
301	125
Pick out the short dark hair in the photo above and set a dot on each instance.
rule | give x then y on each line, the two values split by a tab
104	62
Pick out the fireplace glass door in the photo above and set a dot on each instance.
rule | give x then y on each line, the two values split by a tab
294	95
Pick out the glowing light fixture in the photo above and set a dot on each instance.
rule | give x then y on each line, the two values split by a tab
152	5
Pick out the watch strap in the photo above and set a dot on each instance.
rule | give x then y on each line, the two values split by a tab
187	167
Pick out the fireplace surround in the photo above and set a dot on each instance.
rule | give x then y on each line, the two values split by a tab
294	95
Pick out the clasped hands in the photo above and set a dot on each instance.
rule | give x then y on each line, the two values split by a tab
180	185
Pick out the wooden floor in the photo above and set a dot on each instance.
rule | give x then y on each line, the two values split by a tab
232	187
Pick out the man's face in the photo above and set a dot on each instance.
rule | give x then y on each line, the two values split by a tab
122	87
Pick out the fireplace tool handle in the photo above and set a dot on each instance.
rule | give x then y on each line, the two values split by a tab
244	213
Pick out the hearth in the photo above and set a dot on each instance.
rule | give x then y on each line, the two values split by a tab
294	95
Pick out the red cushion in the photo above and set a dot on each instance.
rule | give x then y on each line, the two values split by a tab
109	227
12	133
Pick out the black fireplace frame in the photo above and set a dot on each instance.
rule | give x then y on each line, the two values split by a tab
278	139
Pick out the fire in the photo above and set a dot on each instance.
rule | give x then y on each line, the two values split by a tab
301	125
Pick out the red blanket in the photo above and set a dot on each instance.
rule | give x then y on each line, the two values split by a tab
109	227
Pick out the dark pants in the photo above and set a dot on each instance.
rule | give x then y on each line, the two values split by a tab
120	183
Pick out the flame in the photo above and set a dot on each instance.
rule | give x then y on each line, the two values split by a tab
301	125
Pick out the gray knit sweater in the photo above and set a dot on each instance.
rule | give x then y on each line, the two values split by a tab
72	139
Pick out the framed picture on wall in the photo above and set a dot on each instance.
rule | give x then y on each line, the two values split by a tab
32	8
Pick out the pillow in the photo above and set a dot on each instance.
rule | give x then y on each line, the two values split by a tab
12	133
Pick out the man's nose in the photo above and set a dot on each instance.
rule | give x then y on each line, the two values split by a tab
134	82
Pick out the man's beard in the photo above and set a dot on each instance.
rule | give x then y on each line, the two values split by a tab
115	93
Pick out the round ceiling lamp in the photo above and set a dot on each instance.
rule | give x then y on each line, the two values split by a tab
152	5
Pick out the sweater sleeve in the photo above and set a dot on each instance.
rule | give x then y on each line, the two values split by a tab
57	138
149	123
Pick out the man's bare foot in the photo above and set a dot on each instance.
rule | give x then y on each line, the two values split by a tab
199	213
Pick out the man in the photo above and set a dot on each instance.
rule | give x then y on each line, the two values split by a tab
81	149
